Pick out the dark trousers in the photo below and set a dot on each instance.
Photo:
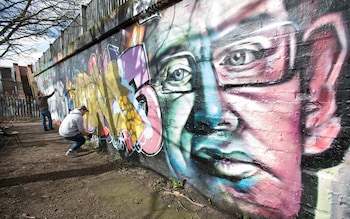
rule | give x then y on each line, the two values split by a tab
45	113
78	139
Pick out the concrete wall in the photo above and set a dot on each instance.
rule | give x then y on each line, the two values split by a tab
245	100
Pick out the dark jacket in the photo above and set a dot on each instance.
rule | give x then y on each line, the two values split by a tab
42	101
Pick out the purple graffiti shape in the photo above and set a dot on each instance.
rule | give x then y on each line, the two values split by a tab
134	63
135	66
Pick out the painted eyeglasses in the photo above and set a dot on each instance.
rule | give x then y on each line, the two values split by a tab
263	57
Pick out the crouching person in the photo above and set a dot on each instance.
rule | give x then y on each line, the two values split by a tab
72	129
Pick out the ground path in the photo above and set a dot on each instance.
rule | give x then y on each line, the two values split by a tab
38	181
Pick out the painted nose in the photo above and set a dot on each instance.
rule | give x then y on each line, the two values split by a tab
210	112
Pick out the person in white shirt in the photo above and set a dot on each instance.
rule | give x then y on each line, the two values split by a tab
72	128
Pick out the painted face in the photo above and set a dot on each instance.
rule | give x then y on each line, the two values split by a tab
231	105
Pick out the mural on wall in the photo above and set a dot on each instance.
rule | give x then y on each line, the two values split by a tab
238	101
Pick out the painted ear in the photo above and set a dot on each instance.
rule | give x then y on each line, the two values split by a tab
328	48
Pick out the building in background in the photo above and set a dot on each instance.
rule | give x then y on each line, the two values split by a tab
17	92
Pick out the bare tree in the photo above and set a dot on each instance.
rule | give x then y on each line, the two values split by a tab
23	22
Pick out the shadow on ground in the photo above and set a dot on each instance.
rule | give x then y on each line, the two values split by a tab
39	181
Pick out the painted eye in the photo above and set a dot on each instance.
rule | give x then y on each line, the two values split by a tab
248	62
177	74
242	57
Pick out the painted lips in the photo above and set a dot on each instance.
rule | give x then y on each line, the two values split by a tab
235	169
234	166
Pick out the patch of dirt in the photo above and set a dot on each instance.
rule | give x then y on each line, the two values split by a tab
38	181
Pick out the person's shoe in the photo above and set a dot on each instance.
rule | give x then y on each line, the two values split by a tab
45	130
52	129
71	153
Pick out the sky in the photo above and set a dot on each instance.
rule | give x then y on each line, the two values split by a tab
38	46
24	59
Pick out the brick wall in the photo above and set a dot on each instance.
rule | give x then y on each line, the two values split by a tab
245	101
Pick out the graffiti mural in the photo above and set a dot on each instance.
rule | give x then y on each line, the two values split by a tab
245	100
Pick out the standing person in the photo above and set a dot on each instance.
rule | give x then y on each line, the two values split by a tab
72	129
44	110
